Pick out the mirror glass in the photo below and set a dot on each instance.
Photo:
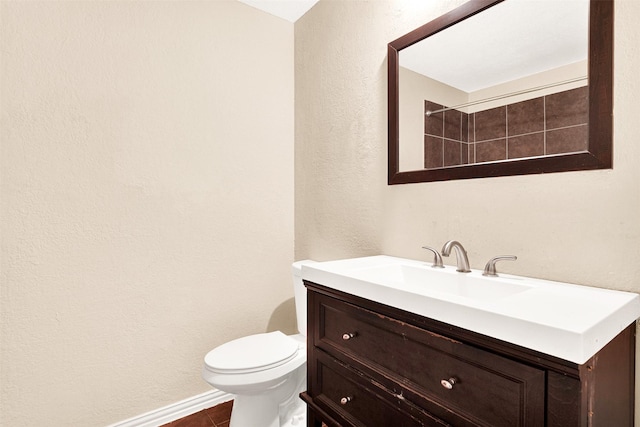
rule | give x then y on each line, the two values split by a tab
501	88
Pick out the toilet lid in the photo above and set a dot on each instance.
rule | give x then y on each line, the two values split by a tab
252	353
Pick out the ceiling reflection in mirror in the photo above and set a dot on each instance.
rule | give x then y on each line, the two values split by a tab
507	83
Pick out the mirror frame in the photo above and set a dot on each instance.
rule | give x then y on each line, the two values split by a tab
600	144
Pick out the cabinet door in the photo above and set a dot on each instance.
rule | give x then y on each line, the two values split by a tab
456	382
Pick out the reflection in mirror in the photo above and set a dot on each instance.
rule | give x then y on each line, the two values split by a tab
503	91
523	47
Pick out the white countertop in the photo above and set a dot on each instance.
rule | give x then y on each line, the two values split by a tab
568	321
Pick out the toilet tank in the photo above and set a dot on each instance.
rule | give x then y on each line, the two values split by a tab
300	295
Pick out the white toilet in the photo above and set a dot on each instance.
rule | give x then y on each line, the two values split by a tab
265	372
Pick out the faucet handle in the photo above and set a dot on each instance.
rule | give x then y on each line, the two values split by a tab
437	259
490	268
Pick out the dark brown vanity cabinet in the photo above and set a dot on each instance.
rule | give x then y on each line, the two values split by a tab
377	366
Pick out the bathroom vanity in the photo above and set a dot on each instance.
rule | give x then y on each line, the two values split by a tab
393	342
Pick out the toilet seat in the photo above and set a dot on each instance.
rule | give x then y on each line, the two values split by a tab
252	353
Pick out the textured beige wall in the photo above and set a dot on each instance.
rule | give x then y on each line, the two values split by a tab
581	227
146	200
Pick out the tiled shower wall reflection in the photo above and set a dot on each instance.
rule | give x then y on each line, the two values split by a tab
551	124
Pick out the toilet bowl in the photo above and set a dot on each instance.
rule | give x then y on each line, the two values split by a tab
266	372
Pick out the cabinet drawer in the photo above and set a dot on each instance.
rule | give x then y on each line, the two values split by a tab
362	403
437	372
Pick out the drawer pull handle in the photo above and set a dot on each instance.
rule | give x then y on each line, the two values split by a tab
345	400
448	384
348	336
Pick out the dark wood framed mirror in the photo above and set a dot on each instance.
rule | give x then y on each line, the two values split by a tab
594	153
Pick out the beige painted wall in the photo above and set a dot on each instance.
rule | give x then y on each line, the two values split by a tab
146	200
581	227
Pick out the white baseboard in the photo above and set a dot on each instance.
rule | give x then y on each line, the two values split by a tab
176	410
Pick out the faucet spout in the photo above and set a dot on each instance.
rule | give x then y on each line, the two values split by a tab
461	255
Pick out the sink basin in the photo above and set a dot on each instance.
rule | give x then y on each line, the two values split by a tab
565	320
432	281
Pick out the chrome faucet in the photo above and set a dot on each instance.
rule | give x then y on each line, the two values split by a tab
490	267
437	259
461	255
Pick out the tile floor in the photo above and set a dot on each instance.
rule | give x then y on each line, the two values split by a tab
218	416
